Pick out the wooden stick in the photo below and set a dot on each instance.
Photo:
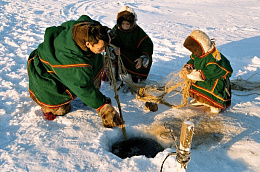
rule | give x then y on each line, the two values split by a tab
116	94
183	155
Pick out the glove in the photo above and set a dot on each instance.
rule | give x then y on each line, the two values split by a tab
195	75
186	69
110	117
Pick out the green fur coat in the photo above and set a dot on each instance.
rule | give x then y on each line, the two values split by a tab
216	88
59	70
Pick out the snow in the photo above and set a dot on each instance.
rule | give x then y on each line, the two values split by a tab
228	142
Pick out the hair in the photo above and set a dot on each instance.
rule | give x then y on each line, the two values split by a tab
88	32
96	33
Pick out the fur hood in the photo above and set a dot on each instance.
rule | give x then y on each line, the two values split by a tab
80	34
128	14
198	43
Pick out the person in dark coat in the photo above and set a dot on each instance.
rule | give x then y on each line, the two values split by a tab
68	64
210	70
135	46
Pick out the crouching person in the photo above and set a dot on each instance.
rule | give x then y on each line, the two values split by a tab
210	70
68	64
135	46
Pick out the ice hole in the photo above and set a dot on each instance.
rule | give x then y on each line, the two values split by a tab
136	146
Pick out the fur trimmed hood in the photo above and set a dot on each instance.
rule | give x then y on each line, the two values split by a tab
88	32
128	14
80	34
198	43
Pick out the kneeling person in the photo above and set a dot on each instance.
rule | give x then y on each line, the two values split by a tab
68	64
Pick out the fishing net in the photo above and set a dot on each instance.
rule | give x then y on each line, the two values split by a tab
241	84
171	91
168	91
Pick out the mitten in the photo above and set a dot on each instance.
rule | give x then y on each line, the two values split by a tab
110	118
195	75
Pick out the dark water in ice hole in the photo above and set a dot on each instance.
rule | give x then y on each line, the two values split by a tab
136	146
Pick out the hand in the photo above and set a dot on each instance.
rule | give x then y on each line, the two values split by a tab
142	61
139	63
186	69
110	117
183	73
195	75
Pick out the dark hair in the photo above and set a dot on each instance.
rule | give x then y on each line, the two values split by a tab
89	32
96	33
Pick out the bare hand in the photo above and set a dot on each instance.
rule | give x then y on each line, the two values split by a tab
139	62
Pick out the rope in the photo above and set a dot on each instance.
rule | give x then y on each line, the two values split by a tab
158	93
173	153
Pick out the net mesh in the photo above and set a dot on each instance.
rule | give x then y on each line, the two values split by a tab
168	91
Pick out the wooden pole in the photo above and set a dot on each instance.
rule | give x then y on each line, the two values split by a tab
183	154
122	126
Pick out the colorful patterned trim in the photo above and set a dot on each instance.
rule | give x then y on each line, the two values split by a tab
62	66
28	63
98	109
202	75
99	73
214	86
191	63
206	54
208	99
141	41
218	66
199	44
65	66
71	65
122	55
51	106
220	98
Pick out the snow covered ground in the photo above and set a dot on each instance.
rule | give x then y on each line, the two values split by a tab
228	142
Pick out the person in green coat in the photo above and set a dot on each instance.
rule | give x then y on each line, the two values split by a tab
134	46
210	70
68	64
